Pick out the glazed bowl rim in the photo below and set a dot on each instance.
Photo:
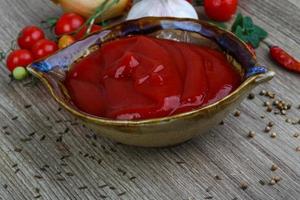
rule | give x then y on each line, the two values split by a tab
254	79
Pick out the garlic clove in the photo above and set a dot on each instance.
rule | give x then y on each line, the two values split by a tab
162	8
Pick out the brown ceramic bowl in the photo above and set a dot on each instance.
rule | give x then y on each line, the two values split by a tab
160	131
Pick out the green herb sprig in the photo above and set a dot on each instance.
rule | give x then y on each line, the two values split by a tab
246	30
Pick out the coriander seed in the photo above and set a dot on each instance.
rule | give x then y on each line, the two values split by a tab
273	135
274	167
251	134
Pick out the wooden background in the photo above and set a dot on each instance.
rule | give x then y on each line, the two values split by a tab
44	154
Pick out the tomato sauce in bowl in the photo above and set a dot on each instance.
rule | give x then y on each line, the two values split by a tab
142	77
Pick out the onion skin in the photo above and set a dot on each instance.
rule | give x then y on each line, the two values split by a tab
86	8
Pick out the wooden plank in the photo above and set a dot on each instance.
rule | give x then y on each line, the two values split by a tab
66	161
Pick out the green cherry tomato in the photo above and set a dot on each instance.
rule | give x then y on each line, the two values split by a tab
20	73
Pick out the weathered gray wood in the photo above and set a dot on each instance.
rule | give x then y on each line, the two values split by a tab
183	172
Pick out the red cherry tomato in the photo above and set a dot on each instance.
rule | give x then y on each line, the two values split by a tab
220	10
29	36
68	23
82	32
43	48
19	58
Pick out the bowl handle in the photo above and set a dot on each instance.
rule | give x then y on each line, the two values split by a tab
265	77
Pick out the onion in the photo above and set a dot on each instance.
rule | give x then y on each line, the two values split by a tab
86	8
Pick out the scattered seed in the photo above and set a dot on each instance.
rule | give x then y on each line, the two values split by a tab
32	134
272	182
274	167
208	189
243	185
66	130
251	96
262	116
83	187
38	176
251	134
14	118
121	194
94	144
25	139
59	109
283	112
14	165
27	106
5	186
271	124
276	179
17	170
6	133
19	150
64	164
237	113
69	174
99	161
112	188
180	162
269	109
58	121
103	196
273	135
103	186
4	127
59	139
267	129
263	93
209	197
121	171
217	177
262	182
61	179
266	104
37	196
64	157
43	169
222	123
132	178
43	138
288	121
86	155
37	190
296	135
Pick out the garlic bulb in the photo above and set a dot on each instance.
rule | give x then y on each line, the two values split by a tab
162	8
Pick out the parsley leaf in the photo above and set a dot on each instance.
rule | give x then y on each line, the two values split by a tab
246	30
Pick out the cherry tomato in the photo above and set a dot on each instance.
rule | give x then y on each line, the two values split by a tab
82	32
29	36
43	48
220	10
21	57
68	23
65	41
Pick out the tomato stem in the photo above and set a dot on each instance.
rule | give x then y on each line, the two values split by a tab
98	12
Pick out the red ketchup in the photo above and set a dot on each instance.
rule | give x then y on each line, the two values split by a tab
143	77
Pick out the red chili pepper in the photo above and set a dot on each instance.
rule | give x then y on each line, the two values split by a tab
284	59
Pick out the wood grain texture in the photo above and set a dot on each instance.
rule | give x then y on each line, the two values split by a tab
45	149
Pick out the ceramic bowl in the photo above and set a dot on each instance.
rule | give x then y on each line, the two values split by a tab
165	131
